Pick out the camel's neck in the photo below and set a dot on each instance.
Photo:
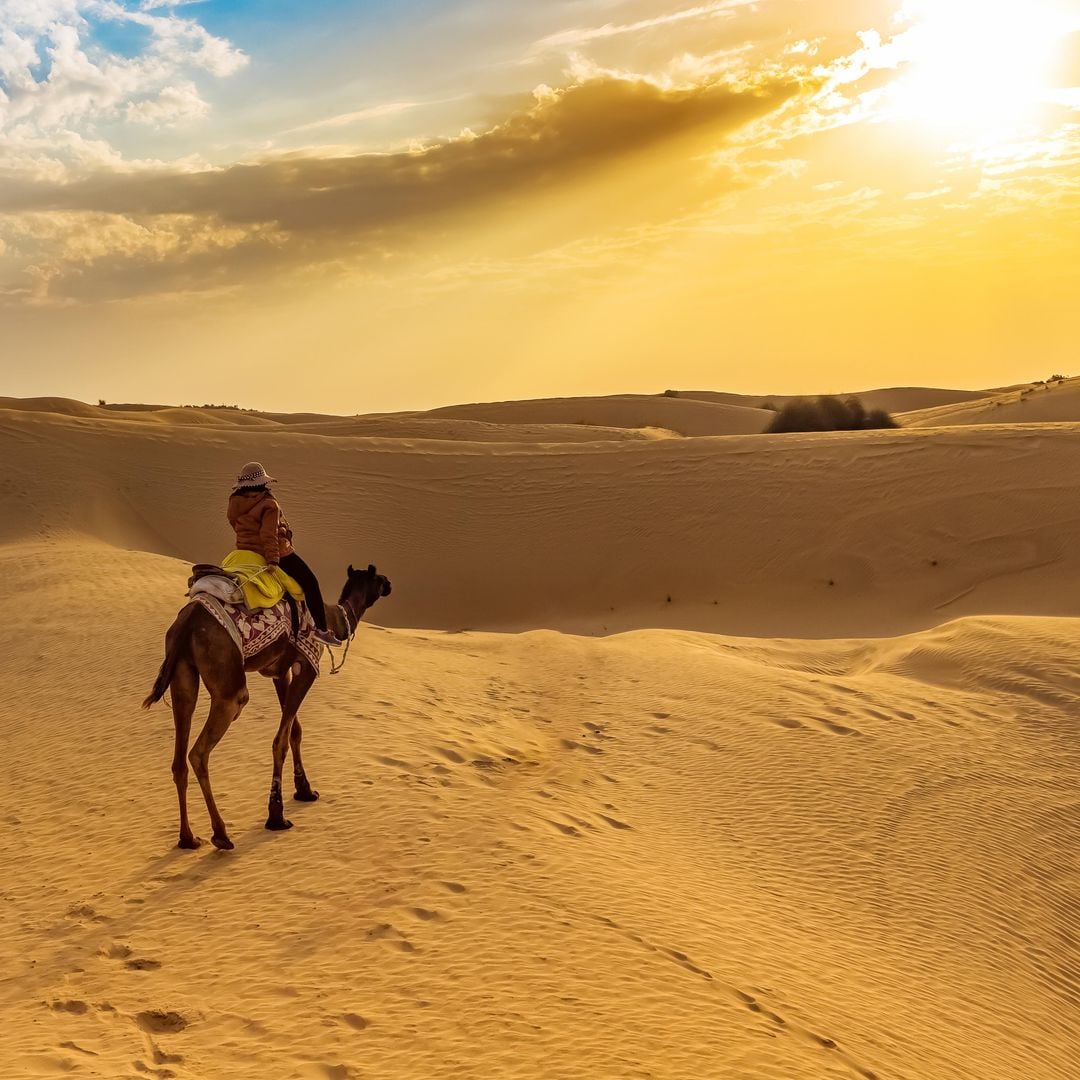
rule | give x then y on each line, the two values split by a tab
340	621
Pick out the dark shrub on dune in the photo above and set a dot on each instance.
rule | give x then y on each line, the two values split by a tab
828	414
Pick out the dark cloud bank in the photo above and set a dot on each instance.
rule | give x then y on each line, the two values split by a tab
321	202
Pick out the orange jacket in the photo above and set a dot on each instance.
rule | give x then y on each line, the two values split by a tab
260	525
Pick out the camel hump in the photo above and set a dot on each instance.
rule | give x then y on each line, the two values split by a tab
220	585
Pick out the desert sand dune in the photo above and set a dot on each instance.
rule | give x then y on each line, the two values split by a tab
58	405
662	853
407	426
1033	403
797	535
156	414
447	429
896	399
683	416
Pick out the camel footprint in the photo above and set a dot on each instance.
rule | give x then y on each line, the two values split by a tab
119	951
392	936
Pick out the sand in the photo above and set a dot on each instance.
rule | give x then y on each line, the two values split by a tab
1034	403
682	415
813	817
895	399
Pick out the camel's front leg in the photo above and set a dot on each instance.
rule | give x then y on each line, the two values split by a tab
298	687
302	789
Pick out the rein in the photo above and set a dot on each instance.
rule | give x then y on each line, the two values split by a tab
335	667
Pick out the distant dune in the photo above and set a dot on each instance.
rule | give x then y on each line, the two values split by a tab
809	535
403	426
684	416
1036	403
897	399
424	426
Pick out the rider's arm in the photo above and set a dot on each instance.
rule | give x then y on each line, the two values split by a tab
268	532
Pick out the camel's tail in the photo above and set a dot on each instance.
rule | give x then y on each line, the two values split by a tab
174	643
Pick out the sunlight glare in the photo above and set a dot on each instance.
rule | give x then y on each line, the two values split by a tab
977	69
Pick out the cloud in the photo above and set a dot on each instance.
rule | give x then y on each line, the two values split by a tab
372	112
568	40
58	78
306	209
564	132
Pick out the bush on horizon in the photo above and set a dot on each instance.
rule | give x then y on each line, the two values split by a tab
828	414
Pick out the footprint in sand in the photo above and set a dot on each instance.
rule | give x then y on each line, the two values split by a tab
392	936
453	886
566	830
76	1008
837	729
118	951
160	1021
786	722
84	913
355	1021
394	763
425	915
142	963
569	744
324	1071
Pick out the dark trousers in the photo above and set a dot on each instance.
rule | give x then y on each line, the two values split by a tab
305	577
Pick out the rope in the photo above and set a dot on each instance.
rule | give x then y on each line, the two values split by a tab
334	669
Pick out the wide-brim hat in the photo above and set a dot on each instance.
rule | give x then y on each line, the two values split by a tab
252	475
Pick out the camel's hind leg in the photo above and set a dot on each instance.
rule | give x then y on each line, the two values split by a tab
185	696
223	711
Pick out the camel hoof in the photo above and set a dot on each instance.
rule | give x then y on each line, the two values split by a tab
222	843
189	843
278	824
307	795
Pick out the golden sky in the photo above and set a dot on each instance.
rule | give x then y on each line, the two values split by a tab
374	206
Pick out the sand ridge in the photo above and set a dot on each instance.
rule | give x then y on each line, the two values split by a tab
1034	403
795	535
683	415
897	399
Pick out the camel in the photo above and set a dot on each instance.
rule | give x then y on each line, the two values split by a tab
198	647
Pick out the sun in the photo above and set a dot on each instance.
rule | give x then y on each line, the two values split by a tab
976	69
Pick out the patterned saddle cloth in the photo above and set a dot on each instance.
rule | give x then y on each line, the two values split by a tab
253	630
252	602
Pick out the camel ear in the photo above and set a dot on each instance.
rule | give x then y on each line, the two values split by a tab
351	570
371	569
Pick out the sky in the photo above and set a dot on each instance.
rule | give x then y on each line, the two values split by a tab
370	206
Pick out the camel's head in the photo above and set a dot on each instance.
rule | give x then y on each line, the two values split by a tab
363	589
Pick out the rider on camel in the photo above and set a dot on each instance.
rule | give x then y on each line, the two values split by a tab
260	526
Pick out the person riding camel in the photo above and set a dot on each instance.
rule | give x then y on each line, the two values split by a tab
260	526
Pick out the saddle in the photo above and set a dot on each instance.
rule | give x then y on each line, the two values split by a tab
245	581
217	582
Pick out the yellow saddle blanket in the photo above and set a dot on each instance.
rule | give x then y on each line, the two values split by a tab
263	585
